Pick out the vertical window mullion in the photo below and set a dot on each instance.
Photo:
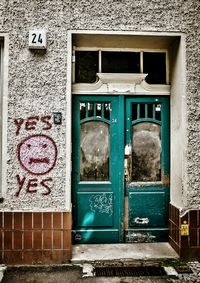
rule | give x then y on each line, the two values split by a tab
146	110
141	62
154	111
100	61
87	109
102	110
95	108
138	111
167	67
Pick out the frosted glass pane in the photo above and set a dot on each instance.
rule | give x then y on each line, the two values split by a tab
146	155
95	151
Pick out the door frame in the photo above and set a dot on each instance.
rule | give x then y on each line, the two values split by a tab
178	107
124	103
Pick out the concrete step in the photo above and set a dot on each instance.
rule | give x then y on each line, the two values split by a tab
123	252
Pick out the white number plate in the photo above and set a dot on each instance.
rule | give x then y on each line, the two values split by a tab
37	39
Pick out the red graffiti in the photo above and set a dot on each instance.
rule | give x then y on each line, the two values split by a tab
31	123
44	184
18	123
20	184
37	154
45	120
32	185
39	160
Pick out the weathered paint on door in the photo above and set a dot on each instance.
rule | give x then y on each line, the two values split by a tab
147	183
97	169
117	199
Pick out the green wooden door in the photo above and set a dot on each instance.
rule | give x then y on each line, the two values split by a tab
120	188
147	169
97	169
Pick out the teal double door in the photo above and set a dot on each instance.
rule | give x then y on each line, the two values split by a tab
120	172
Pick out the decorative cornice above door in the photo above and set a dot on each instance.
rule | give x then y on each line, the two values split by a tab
115	83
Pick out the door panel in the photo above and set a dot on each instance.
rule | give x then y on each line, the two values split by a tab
97	170
154	213
147	178
99	204
120	193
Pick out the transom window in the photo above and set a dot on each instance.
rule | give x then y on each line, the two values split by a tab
89	63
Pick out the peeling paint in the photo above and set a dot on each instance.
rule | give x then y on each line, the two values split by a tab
139	220
132	237
165	179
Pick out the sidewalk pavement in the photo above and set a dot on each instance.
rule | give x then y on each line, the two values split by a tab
73	273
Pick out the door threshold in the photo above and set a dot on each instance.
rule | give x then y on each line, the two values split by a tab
127	252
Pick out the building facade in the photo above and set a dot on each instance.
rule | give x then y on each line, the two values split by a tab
100	126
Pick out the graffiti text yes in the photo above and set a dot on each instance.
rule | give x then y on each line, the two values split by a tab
37	154
32	122
31	185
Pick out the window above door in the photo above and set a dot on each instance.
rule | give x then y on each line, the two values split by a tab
90	62
121	64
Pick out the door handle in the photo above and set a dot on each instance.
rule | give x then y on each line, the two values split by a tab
127	162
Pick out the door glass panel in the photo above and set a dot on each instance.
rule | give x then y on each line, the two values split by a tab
158	112
90	109
146	154
107	111
95	151
98	110
82	111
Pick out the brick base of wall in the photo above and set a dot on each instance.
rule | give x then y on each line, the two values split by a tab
35	237
45	237
186	246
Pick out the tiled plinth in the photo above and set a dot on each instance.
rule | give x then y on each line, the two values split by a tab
35	237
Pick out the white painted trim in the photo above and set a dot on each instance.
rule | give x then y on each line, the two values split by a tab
108	32
120	84
167	68
100	61
4	111
141	62
179	125
184	119
85	48
68	123
123	78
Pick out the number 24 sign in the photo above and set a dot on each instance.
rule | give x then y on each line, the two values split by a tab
37	39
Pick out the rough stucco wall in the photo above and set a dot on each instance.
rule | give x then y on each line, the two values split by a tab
37	80
37	86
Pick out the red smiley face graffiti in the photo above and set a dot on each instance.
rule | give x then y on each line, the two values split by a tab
37	154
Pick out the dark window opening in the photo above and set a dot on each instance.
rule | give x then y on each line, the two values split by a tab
134	111
142	111
154	64
150	110
86	66
120	62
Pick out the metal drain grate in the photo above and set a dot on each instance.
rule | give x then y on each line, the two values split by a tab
134	271
183	269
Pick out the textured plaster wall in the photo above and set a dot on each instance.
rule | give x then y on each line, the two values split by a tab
37	80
